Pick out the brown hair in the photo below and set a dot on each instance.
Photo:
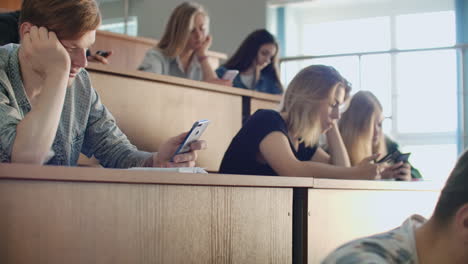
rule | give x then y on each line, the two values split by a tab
68	19
178	28
302	100
454	195
356	127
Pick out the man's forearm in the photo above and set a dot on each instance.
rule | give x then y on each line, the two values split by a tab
36	132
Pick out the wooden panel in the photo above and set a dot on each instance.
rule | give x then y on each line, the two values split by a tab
97	67
338	216
128	51
146	175
256	104
65	222
10	4
150	112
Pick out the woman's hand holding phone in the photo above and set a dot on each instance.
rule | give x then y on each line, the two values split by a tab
367	169
398	171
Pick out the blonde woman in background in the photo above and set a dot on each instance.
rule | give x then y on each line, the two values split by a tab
361	129
181	52
285	142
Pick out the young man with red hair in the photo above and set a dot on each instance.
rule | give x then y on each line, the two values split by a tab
49	112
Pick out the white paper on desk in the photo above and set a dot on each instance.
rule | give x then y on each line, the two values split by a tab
180	169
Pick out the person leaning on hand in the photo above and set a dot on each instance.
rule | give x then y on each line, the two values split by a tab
9	23
49	112
182	50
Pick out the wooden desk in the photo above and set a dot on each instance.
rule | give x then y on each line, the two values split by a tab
94	215
150	108
340	211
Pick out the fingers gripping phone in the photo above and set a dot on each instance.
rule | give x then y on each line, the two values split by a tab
193	135
229	75
102	53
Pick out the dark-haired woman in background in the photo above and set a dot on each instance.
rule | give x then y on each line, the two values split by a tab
257	63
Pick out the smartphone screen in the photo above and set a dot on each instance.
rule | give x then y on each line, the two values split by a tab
403	157
385	158
194	134
229	75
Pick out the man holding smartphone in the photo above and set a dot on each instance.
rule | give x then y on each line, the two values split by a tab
49	112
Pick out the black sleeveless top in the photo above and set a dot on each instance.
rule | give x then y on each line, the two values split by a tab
240	157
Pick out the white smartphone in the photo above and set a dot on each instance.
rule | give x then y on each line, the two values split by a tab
194	134
229	75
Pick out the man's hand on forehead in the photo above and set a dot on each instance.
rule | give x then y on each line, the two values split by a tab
44	52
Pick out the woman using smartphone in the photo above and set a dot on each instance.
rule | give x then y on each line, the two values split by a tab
285	142
257	63
181	52
361	129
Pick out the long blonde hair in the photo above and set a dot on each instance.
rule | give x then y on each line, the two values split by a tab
301	102
357	125
179	27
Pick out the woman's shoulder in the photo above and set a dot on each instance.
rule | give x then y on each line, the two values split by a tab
267	118
267	113
154	61
155	53
268	84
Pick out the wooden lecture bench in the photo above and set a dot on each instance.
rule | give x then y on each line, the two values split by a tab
53	214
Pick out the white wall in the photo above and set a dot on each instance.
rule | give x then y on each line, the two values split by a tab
231	20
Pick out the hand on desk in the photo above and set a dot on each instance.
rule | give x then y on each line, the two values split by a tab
168	148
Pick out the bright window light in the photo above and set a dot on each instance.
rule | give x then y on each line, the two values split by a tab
433	161
418	89
427	92
425	30
369	34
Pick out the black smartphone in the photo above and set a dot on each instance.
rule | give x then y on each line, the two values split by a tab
403	157
386	157
395	157
105	54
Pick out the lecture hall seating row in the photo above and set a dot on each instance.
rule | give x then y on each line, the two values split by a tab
150	108
52	214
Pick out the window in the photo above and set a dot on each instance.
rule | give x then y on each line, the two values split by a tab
118	25
346	36
405	57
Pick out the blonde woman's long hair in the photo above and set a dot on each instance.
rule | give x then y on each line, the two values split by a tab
179	27
302	99
357	125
